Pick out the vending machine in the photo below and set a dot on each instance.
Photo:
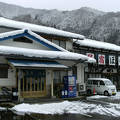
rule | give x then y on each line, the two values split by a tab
70	86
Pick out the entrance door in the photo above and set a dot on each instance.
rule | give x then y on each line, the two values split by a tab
33	83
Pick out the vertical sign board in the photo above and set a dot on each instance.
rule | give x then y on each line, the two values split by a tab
119	60
90	55
112	60
101	59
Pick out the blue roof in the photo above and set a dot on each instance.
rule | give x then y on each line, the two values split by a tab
37	64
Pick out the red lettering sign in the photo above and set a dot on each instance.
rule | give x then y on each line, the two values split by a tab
90	55
70	88
101	59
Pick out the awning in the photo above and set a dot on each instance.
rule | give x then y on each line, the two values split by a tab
36	64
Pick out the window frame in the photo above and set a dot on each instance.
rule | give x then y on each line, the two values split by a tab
23	40
95	81
59	43
64	44
103	82
3	71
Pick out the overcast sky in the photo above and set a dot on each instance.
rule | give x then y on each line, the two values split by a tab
104	5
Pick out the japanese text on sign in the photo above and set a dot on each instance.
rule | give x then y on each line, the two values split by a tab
101	59
90	55
111	60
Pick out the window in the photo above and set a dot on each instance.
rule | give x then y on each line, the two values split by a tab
90	82
23	39
49	40
63	44
58	76
102	83
56	42
3	72
95	82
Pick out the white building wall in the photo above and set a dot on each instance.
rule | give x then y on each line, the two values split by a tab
81	78
34	45
11	80
80	73
69	45
2	60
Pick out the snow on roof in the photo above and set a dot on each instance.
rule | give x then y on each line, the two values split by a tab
104	79
6	50
97	44
11	33
38	28
46	41
16	32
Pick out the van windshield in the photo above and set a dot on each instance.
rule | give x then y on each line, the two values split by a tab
108	83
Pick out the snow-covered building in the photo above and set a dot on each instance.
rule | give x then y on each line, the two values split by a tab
107	57
35	65
59	37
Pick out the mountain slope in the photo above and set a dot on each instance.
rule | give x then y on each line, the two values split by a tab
87	21
78	21
107	28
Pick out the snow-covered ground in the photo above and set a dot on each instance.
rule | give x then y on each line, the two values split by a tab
117	96
74	107
2	109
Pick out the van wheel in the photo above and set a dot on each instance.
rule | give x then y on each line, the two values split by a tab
106	93
89	92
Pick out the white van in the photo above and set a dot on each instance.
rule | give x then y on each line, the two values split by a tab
100	86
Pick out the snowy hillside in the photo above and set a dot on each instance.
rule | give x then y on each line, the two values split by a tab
87	21
107	28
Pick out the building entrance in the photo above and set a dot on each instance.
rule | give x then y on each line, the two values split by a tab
33	83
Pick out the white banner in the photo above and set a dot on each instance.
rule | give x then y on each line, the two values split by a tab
111	60
118	60
101	59
90	55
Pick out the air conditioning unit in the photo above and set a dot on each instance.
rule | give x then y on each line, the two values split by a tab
81	89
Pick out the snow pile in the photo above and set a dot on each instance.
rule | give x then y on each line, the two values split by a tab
116	97
97	44
38	28
96	97
76	107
